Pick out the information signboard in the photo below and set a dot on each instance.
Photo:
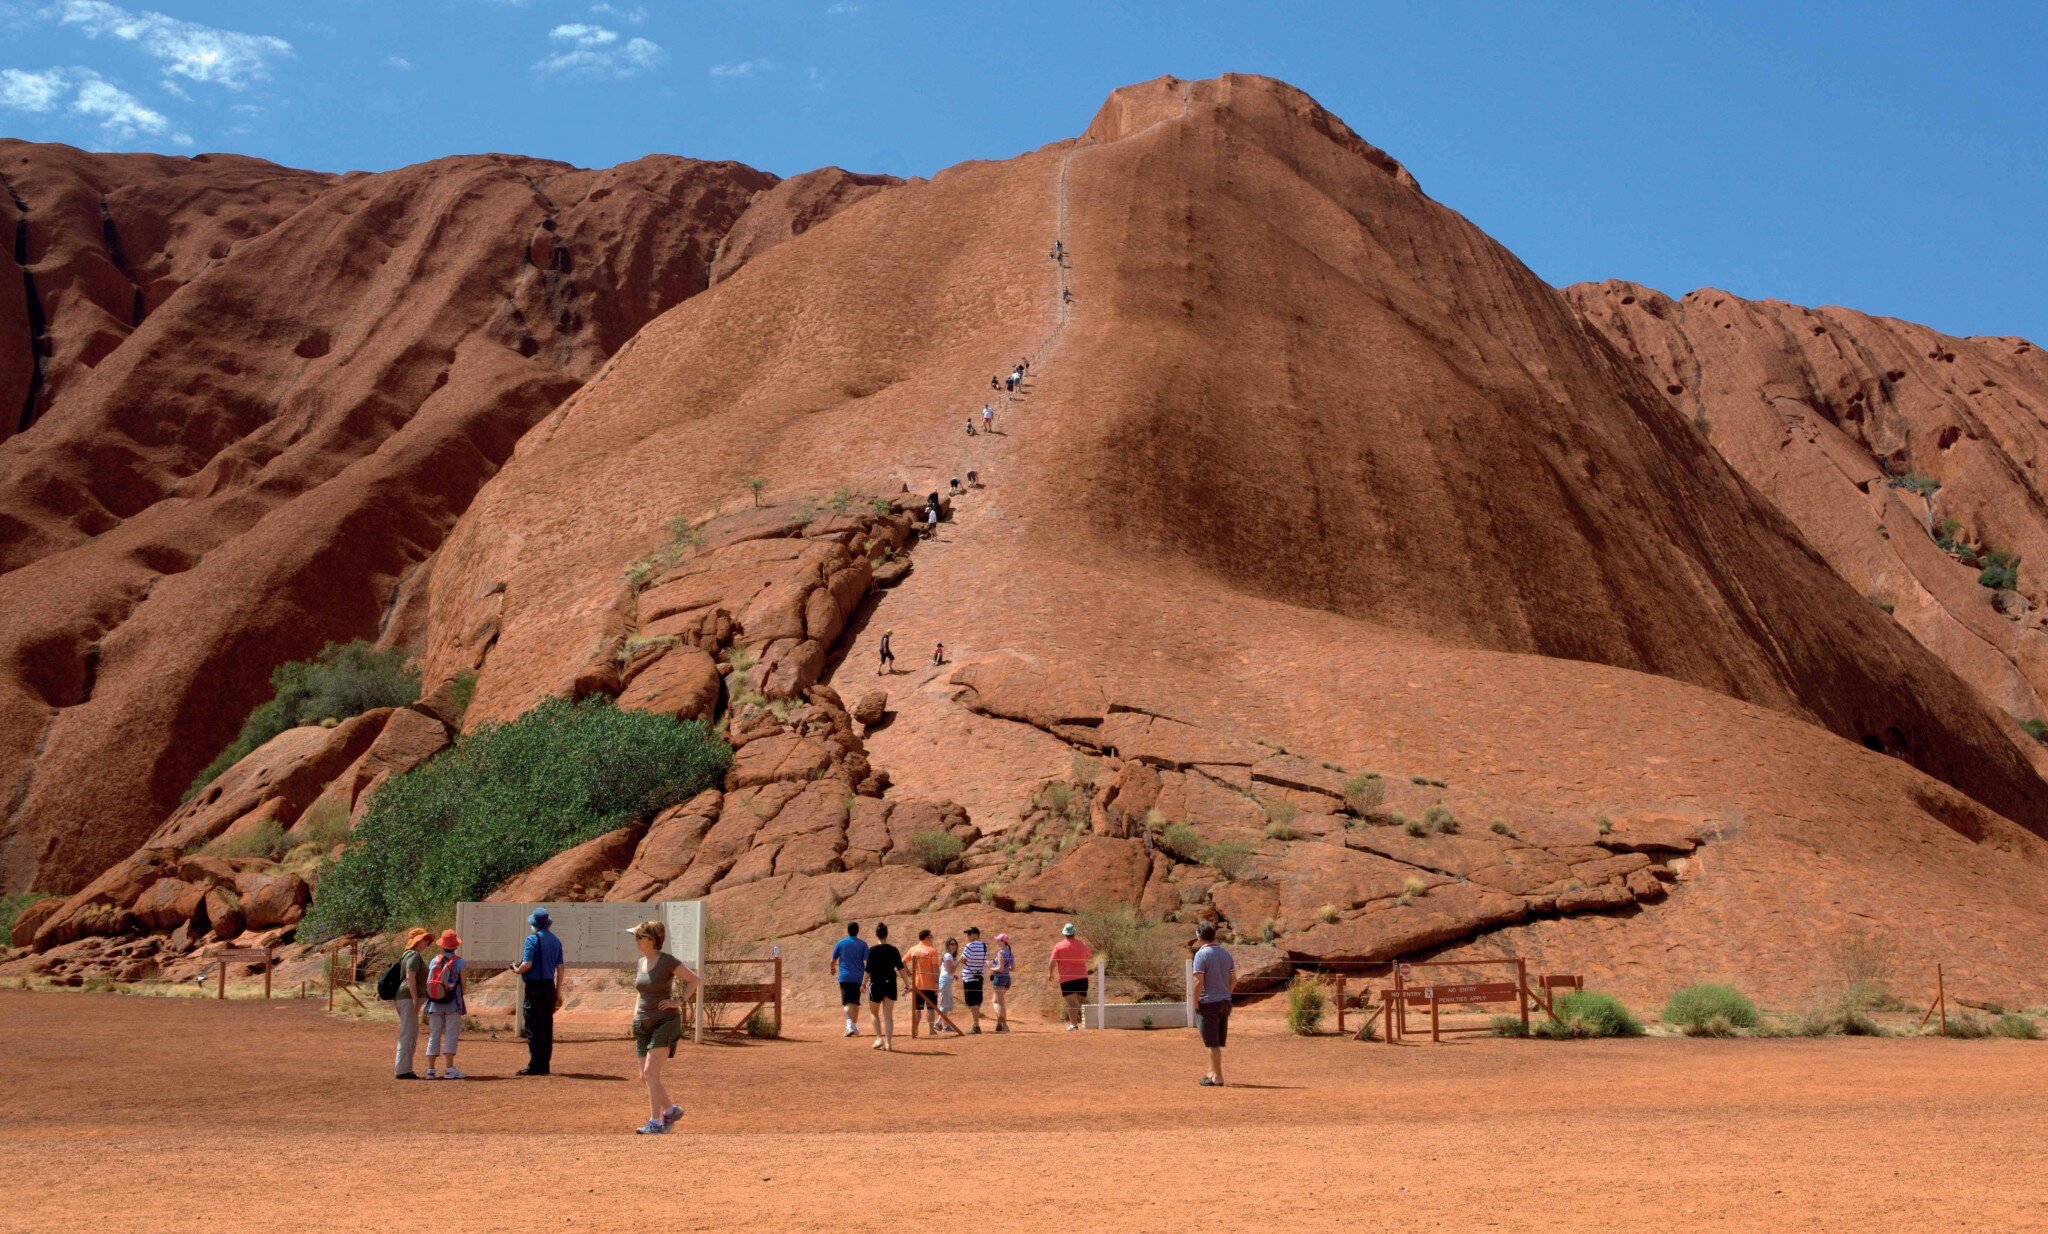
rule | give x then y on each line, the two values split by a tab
592	935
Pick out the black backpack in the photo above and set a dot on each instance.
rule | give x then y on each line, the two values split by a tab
387	985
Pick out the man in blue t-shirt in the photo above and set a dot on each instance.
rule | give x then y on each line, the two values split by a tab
1215	972
849	966
539	994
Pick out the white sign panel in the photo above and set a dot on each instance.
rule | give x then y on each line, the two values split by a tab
592	935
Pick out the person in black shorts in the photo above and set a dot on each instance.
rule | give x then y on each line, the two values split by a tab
884	968
888	664
973	971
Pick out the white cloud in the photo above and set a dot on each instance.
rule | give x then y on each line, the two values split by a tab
400	63
25	90
185	49
596	51
846	8
119	115
633	13
744	68
584	35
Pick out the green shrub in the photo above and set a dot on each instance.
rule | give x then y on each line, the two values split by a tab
266	841
934	849
1509	1026
1500	828
1364	793
344	680
1441	820
1137	947
1305	1004
1415	827
461	692
2001	572
2037	729
504	799
1695	1006
1585	1013
1418	779
1969	1026
1280	814
1604	824
2018	1027
11	906
1230	857
756	484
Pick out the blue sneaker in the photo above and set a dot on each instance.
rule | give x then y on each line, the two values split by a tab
670	1115
653	1126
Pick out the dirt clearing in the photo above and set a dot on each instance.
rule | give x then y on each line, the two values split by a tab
127	1113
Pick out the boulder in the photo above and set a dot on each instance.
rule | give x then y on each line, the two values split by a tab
31	919
170	903
871	707
585	872
682	682
1389	930
224	913
102	907
665	851
782	756
409	738
1603	898
293	767
1652	833
1260	967
1097	872
213	871
1013	688
272	899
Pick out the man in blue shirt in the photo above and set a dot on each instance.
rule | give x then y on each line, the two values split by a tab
849	966
1215	972
538	993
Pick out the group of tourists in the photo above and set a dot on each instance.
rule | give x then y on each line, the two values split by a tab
941	979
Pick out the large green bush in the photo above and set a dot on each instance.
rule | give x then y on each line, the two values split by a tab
506	798
1584	1013
344	680
1708	1009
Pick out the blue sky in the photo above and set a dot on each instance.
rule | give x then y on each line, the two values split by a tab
1890	157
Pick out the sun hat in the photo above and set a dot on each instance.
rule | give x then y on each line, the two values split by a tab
449	940
538	917
415	936
1068	929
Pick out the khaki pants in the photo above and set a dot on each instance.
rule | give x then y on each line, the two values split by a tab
408	1034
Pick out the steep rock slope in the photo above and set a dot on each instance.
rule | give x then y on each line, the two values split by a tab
324	372
1904	456
1302	457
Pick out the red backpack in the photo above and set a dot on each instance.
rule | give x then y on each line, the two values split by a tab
444	979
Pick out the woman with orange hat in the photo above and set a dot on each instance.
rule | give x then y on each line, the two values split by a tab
411	1003
445	1007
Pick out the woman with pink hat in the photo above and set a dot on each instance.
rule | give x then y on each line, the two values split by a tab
445	1007
999	981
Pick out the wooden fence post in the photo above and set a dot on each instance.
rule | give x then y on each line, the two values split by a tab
778	996
266	974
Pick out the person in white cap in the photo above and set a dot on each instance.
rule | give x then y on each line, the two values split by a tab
1069	968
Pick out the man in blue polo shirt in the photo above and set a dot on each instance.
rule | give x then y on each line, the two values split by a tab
850	966
538	993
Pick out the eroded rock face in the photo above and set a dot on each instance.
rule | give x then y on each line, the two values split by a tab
247	431
1903	455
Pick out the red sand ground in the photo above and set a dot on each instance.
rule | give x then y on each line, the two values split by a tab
276	1116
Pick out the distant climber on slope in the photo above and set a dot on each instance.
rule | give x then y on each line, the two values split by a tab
988	418
888	657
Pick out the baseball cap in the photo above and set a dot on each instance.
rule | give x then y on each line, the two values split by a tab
974	929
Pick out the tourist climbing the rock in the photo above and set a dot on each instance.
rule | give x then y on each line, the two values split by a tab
995	383
970	426
445	1007
1010	383
1215	977
1069	968
885	968
922	963
931	522
938	653
539	995
949	976
973	479
1059	251
973	970
988	418
850	965
954	489
657	1019
999	981
888	657
411	1001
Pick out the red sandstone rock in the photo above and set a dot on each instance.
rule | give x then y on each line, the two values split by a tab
1096	873
31	919
682	682
169	903
585	872
665	851
272	899
409	738
1449	912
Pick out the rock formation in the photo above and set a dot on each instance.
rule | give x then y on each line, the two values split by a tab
252	402
1307	478
1905	457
